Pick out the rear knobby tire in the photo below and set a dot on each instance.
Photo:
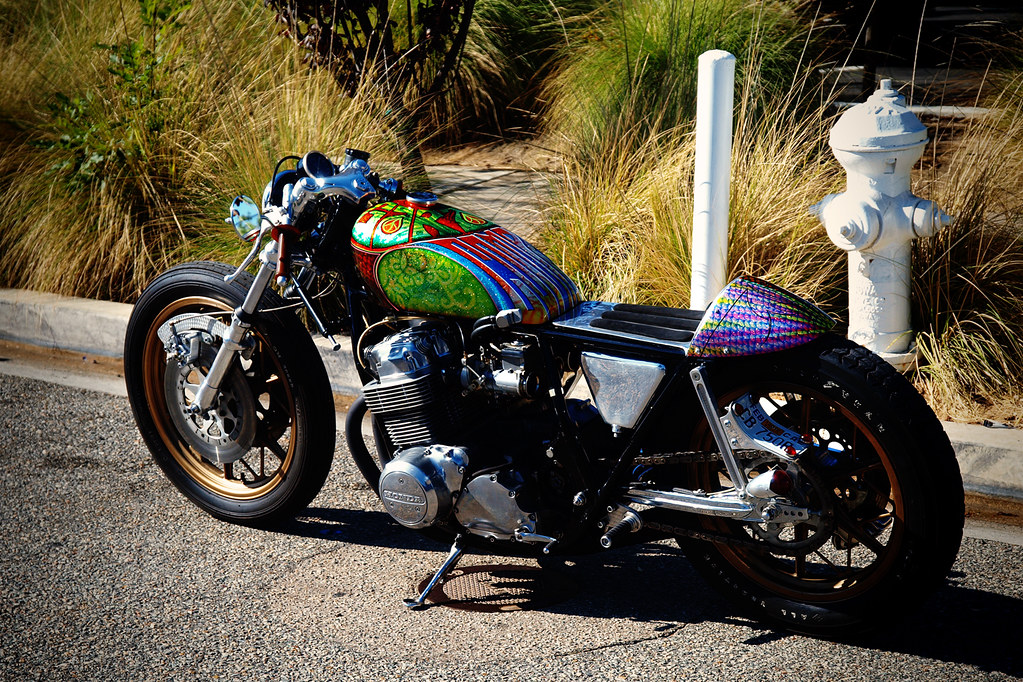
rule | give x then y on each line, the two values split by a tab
278	399
886	469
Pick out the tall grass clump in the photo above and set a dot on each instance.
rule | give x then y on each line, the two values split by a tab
968	280
511	48
621	220
633	72
622	225
137	125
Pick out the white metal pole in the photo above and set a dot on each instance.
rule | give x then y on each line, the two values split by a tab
715	88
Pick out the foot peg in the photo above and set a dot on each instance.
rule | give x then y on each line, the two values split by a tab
631	522
453	556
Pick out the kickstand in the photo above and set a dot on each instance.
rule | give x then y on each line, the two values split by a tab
453	556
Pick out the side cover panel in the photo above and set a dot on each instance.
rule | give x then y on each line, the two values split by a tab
751	316
444	261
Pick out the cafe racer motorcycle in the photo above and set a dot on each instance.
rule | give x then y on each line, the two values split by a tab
801	474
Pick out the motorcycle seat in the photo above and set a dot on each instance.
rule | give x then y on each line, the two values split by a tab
668	324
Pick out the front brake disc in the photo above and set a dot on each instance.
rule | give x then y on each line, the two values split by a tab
223	433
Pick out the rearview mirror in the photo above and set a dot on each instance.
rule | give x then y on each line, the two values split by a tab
246	217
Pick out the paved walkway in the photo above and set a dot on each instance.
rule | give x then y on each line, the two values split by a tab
506	196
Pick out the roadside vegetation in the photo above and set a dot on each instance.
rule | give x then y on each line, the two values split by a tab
968	280
127	126
620	219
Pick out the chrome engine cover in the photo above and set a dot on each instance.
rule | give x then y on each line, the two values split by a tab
419	485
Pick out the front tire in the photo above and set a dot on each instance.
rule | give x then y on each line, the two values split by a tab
883	472
264	450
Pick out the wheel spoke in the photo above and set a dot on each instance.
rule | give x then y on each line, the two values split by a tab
275	447
800	562
859	471
838	569
252	471
849	525
870	485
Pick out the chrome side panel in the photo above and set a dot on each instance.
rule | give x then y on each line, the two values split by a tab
621	388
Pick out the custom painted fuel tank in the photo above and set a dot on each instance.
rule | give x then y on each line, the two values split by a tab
444	261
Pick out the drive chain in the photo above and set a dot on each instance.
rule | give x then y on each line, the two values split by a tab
697	457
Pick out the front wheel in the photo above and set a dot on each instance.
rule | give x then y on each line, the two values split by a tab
263	450
881	478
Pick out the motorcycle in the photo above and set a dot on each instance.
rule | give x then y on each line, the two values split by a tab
801	475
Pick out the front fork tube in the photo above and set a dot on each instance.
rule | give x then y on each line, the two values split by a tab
709	404
240	324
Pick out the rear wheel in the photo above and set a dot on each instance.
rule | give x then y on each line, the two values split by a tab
264	449
880	477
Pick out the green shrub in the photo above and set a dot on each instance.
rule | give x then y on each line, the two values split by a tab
632	74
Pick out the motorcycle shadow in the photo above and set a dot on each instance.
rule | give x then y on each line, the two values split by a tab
655	583
957	624
649	583
355	526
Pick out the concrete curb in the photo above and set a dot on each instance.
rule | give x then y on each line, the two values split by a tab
63	323
98	327
991	459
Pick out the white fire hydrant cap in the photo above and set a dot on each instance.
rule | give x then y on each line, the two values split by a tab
882	123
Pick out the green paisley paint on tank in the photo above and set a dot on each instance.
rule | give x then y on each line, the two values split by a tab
393	223
424	281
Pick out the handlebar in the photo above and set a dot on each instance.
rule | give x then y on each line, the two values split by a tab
351	183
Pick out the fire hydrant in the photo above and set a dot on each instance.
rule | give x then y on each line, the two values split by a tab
877	218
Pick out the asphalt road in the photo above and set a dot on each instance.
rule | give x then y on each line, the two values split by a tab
107	573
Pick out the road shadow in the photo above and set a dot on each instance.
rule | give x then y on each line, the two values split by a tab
357	527
655	583
606	584
959	624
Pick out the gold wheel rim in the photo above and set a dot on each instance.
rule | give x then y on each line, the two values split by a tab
240	486
767	572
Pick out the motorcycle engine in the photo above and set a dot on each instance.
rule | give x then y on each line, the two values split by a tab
409	394
423	397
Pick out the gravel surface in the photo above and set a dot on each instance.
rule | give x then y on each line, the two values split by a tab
108	573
